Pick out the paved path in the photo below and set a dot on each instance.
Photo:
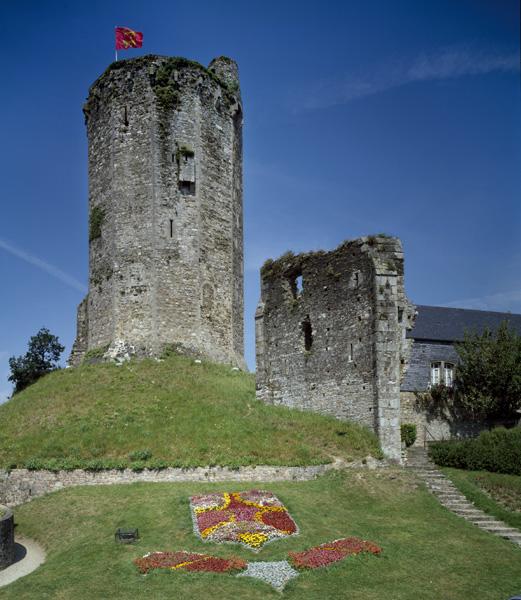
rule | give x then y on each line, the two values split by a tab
28	556
447	493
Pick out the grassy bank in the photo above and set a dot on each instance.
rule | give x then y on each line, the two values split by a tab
495	493
173	412
428	552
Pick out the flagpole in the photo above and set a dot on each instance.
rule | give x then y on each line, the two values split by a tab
116	49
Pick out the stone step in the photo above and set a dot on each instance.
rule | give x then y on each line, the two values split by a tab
468	513
515	537
485	520
450	496
458	505
452	499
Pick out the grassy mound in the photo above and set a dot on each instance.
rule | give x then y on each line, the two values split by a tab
169	413
428	552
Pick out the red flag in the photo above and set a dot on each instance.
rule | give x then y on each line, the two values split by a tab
127	38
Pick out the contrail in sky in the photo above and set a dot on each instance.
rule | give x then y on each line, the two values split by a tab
445	63
43	266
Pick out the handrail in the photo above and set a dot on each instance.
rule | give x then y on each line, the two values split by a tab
425	432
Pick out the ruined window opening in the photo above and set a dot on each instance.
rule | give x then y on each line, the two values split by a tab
351	353
357	279
125	117
171	227
296	283
308	333
400	315
299	284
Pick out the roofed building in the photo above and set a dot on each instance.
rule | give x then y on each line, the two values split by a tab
433	361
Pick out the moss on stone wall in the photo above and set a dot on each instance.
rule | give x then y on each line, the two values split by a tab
96	218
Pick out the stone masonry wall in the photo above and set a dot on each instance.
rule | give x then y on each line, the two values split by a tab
432	426
7	548
20	485
330	334
165	200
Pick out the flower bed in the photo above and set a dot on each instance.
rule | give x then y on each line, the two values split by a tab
325	554
250	518
188	561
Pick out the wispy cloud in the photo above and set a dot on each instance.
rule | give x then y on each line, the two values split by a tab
42	265
445	63
509	301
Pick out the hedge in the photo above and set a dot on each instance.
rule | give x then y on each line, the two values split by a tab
498	451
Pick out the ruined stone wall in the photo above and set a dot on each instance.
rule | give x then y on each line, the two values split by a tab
330	334
165	199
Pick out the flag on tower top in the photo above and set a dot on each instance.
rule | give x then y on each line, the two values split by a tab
128	38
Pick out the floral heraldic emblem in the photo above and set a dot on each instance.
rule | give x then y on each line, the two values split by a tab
250	518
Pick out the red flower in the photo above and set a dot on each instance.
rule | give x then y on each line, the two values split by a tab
325	554
188	561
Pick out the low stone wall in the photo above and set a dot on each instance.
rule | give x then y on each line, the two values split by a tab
6	537
21	485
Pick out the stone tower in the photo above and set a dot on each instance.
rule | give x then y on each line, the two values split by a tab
165	203
331	334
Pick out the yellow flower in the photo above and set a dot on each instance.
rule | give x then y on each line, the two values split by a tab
253	539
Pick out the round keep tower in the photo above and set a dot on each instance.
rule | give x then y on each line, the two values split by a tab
165	211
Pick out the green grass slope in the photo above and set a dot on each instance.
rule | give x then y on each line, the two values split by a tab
179	412
428	552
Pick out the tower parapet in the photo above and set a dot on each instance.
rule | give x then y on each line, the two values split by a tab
165	205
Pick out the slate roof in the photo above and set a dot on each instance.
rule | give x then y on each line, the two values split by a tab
449	324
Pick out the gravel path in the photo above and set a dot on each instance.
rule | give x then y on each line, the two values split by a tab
28	556
276	573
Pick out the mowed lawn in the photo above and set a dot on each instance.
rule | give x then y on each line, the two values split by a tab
428	552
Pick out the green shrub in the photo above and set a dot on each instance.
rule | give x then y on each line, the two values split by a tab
408	432
498	451
96	218
140	455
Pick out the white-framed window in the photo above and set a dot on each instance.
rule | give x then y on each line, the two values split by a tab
442	373
448	372
435	373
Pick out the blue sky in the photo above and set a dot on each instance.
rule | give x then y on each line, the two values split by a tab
360	117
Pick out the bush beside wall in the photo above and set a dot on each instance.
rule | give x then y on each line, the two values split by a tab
498	451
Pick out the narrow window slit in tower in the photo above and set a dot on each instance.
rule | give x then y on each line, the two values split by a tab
357	279
351	354
125	117
308	333
171	227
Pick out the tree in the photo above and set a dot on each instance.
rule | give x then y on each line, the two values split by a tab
488	375
41	358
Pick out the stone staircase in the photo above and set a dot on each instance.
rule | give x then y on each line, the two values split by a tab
450	497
